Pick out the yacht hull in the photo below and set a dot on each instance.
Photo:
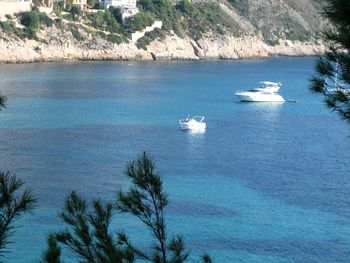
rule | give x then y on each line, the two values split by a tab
259	98
267	92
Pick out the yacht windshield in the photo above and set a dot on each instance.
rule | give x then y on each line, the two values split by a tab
254	90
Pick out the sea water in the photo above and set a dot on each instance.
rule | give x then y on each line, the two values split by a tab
265	182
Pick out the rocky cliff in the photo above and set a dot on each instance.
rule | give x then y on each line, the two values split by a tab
261	28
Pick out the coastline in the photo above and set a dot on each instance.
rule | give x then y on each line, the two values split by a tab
14	50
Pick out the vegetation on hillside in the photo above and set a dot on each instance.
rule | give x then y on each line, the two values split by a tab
193	19
104	21
139	21
185	18
287	19
32	22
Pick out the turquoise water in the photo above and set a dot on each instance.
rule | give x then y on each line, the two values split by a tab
264	183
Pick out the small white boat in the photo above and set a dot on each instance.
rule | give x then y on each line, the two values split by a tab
267	92
193	123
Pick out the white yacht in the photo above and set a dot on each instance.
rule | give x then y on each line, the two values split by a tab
267	92
193	123
269	86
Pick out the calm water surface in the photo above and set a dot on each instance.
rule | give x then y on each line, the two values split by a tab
264	183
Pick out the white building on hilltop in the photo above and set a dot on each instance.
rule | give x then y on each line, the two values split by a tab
127	7
120	3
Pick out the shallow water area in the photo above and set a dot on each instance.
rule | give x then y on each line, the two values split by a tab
265	182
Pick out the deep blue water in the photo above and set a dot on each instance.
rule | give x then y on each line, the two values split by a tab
264	183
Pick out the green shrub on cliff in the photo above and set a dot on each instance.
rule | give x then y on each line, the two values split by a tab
186	7
58	5
9	27
163	10
75	32
144	41
45	20
113	38
59	23
104	20
193	18
117	14
30	20
75	11
140	21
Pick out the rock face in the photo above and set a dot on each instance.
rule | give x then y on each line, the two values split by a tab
13	50
64	47
282	19
229	47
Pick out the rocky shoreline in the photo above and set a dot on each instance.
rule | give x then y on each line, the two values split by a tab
14	50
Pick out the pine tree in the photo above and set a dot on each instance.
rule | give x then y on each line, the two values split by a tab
332	77
3	100
53	253
89	234
147	200
13	206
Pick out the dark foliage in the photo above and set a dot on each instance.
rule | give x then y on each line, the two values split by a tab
332	78
163	10
13	206
146	200
114	39
45	20
140	21
75	11
58	5
117	14
105	21
53	252
3	100
88	234
30	20
144	41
